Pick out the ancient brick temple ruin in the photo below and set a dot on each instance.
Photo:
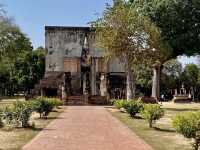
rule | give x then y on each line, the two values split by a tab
76	67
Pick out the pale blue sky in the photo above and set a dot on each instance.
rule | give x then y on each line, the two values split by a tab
32	15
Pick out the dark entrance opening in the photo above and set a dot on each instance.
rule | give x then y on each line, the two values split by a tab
117	86
51	92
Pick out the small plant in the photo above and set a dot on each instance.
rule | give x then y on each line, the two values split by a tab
8	116
22	112
151	113
133	107
17	114
54	102
120	103
1	120
188	125
42	106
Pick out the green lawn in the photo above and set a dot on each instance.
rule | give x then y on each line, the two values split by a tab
15	139
163	137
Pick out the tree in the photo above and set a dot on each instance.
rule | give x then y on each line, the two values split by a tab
125	34
30	69
171	76
14	46
12	41
144	78
190	78
178	28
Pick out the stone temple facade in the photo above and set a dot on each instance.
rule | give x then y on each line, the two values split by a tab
75	66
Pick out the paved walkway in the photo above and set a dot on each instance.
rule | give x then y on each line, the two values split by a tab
86	128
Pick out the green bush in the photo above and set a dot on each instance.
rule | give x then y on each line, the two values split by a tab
120	103
18	114
22	112
8	115
1	118
151	113
133	107
43	106
188	124
54	102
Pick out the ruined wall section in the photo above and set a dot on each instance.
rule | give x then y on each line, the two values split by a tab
116	66
64	42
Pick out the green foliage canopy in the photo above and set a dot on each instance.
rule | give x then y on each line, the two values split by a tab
125	34
178	20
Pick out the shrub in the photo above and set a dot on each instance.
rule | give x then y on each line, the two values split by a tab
133	107
151	113
112	101
18	114
43	106
54	102
8	115
188	125
22	112
120	103
148	100
1	115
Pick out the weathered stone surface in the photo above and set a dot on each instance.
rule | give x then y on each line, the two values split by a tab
68	42
73	50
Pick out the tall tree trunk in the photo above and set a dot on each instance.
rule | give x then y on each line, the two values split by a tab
156	81
193	93
130	85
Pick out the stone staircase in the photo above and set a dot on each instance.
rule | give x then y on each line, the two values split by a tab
75	100
86	100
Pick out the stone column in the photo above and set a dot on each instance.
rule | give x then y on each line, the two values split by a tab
176	92
63	92
103	85
93	77
84	83
42	92
156	81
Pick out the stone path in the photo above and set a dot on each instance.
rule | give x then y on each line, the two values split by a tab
86	128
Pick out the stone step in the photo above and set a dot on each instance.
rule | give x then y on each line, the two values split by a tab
75	100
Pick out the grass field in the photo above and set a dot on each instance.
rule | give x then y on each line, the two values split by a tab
163	136
14	139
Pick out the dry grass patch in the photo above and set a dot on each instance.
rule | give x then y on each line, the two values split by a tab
163	136
16	138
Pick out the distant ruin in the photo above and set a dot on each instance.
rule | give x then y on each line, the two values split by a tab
75	66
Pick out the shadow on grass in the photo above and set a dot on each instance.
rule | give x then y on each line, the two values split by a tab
49	118
136	117
110	107
54	111
164	130
52	118
181	109
40	129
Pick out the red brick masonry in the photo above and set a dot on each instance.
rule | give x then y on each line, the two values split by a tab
86	128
